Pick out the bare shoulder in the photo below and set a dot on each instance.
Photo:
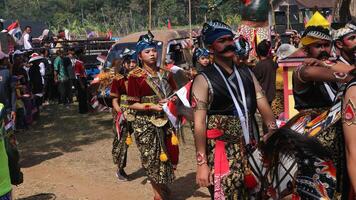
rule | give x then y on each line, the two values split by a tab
200	82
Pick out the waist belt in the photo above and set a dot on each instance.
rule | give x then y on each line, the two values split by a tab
150	99
123	101
229	125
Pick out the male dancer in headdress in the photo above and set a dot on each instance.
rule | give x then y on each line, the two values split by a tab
345	42
121	126
314	89
225	98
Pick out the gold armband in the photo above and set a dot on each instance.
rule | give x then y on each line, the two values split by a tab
198	104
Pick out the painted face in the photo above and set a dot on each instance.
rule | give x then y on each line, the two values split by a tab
148	56
320	49
204	61
349	43
224	46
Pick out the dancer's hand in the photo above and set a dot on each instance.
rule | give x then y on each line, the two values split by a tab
157	108
203	175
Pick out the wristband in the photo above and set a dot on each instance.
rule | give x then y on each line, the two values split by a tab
147	107
201	159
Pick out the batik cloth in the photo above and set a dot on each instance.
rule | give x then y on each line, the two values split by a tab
119	145
225	157
150	141
319	178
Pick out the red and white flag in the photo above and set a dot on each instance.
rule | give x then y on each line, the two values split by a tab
171	110
15	31
170	107
184	94
173	68
120	118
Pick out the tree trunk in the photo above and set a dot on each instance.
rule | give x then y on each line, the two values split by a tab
342	11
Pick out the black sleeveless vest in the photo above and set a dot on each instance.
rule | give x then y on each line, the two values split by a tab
222	103
314	96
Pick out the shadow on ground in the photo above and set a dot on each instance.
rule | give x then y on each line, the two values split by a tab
42	196
184	188
60	130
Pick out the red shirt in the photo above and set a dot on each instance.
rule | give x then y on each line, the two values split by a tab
118	87
138	87
79	69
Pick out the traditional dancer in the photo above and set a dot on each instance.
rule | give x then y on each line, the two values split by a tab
321	158
345	42
122	127
225	98
148	88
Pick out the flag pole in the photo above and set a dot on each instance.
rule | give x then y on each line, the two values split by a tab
150	15
190	20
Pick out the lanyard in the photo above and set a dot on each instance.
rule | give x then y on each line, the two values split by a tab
160	85
243	118
329	91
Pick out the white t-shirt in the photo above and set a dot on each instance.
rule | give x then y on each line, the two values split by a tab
42	70
26	41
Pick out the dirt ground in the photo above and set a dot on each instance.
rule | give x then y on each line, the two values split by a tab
67	156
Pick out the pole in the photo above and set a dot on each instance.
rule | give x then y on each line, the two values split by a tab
150	15
190	21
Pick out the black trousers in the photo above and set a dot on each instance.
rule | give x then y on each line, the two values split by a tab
65	91
82	95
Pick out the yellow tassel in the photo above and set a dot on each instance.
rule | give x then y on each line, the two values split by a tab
174	139
129	140
163	157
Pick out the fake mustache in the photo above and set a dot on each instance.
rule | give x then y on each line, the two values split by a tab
228	48
323	55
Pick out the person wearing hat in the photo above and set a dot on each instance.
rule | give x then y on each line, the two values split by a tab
315	85
36	74
148	88
201	59
314	82
243	49
122	127
224	99
345	42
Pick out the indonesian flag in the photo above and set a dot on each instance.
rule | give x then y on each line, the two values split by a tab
97	106
173	68
118	121
15	31
171	110
184	94
170	107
